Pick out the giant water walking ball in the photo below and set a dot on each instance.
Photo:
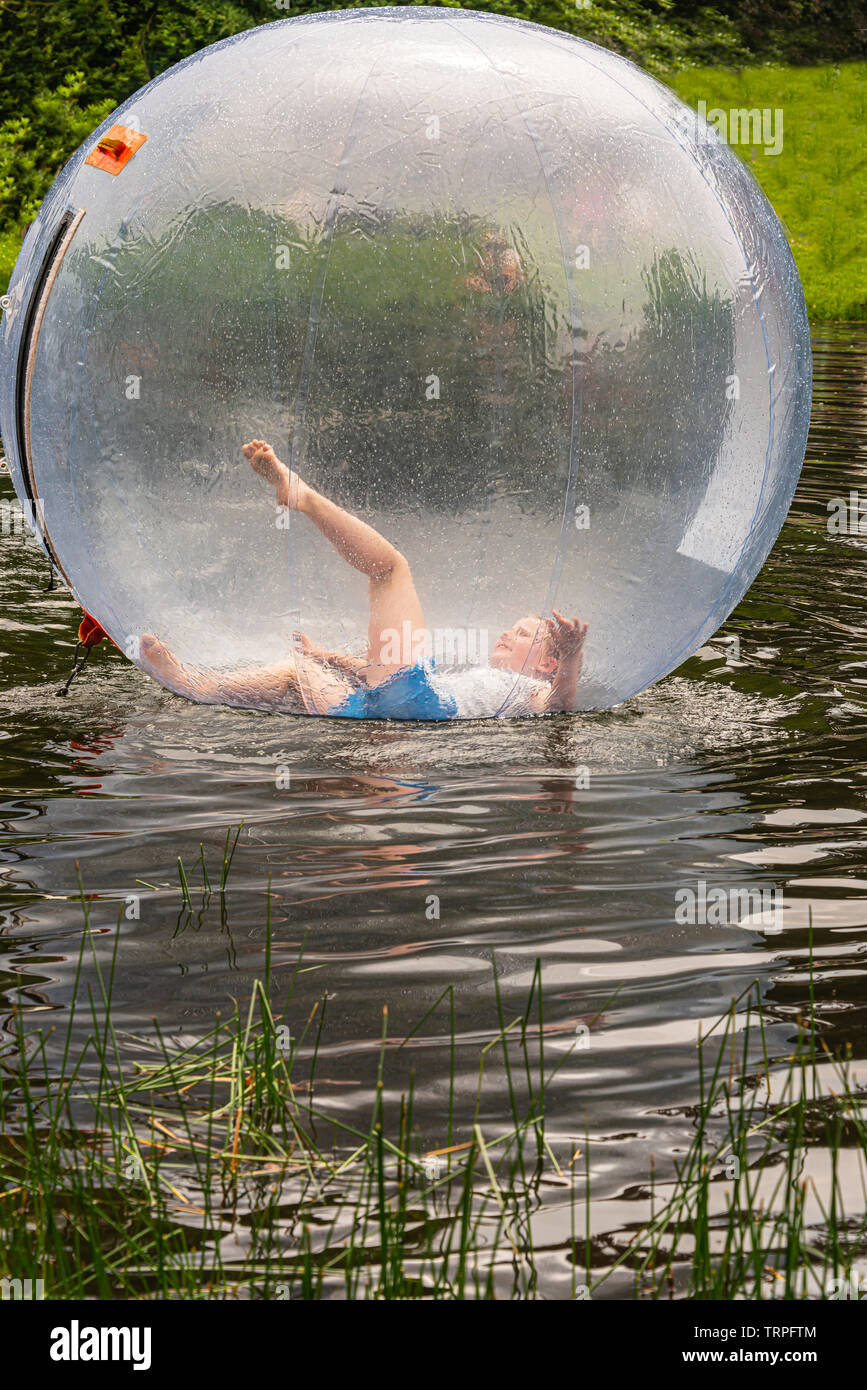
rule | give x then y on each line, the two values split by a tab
491	287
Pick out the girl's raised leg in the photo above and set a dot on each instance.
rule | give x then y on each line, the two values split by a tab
392	595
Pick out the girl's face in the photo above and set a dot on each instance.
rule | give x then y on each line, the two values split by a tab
520	648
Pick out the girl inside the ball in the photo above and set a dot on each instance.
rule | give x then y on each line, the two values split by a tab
534	666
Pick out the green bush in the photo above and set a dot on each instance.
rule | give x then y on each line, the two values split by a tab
33	150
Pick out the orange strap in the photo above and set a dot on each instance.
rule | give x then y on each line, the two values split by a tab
90	634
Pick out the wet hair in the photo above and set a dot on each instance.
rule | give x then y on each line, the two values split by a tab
546	646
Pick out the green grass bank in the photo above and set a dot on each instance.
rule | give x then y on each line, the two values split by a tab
817	184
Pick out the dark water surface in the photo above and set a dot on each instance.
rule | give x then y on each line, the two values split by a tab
746	770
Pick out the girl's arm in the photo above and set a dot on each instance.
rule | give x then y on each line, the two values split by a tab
567	643
354	666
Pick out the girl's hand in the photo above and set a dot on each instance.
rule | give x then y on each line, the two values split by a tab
566	635
312	649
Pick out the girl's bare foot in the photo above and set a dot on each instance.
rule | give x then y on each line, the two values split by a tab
156	657
291	491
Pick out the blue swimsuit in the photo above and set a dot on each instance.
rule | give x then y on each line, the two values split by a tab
408	694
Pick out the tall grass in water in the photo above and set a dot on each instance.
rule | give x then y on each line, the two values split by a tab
148	1166
758	1206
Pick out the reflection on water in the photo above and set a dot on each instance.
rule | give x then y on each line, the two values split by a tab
404	859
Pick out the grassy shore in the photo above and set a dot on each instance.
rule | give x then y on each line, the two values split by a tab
818	183
139	1167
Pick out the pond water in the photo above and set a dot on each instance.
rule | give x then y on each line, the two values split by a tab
407	859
